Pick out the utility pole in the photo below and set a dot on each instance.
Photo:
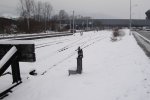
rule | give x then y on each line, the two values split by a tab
45	22
92	24
28	23
130	17
87	23
70	23
59	23
73	21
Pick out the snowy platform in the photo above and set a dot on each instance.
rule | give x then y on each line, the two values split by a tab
117	70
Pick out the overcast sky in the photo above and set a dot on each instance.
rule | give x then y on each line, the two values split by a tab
94	8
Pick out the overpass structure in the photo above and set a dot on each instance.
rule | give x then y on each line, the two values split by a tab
82	23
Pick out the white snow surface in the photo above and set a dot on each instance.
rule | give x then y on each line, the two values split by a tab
7	56
16	42
111	70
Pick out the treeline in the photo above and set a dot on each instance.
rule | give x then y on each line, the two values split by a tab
38	16
34	16
7	25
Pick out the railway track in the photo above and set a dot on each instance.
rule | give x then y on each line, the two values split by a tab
84	42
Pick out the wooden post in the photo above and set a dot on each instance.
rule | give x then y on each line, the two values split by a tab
15	70
79	61
79	65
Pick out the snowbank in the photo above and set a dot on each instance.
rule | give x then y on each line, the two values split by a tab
16	42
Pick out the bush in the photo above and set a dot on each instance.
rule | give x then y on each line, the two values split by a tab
117	34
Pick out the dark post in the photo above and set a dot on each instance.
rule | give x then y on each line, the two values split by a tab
15	70
79	60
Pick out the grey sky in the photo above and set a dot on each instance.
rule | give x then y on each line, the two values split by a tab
93	8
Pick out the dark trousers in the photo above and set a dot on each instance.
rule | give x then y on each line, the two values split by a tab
79	65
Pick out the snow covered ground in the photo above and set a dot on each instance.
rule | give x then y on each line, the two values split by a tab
111	70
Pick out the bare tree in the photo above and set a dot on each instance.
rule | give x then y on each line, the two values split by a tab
47	10
62	16
148	14
26	9
39	10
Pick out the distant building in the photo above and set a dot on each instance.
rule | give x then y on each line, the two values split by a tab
7	25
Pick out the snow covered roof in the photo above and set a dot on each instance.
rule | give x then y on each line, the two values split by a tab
17	42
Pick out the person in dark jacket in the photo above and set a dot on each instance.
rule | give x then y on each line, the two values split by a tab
79	60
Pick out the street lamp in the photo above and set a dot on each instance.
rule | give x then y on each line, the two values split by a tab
58	18
130	18
73	21
70	23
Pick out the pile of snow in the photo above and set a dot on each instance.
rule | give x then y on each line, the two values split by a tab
111	70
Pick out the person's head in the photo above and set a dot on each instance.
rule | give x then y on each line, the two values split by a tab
78	48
